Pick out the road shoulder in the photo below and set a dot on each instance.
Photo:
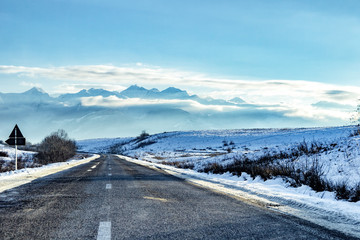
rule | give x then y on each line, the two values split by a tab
20	177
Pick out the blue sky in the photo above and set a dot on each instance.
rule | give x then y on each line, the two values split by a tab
298	52
295	40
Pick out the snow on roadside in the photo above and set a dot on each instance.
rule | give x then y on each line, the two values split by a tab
14	179
318	207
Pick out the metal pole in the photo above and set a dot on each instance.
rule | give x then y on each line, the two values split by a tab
15	157
15	149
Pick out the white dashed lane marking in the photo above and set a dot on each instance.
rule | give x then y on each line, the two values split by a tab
104	232
157	199
108	186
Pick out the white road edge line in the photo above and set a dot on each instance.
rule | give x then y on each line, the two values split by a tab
104	232
108	186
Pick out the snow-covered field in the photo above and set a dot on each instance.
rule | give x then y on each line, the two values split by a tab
7	156
340	162
100	145
188	154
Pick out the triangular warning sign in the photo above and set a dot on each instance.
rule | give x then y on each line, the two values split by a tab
16	137
16	133
13	135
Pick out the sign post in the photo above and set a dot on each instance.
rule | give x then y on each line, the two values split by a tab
16	138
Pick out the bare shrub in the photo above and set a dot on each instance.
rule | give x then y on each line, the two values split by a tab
216	154
355	132
355	193
145	143
179	164
3	154
142	136
214	168
313	177
341	190
57	147
186	155
2	166
303	147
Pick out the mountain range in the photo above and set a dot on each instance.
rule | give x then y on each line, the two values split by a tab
135	91
95	113
37	95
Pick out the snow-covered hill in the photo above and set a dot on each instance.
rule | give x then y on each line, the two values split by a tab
334	151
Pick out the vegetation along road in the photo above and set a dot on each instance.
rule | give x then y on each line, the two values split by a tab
110	198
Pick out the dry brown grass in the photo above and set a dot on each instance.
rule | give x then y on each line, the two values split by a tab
217	154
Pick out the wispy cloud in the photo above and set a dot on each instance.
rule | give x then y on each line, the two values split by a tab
74	88
101	73
30	84
141	74
186	105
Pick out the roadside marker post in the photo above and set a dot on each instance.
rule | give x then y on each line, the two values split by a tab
15	139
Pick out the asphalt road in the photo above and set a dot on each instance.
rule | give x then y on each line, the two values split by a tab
110	198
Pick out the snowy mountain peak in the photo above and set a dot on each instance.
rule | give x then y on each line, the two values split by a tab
135	88
92	92
84	91
155	90
99	91
237	100
172	92
134	91
35	91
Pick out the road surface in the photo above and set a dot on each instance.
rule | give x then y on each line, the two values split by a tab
110	198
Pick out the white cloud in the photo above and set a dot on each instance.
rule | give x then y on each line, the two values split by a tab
74	88
254	90
187	105
31	84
